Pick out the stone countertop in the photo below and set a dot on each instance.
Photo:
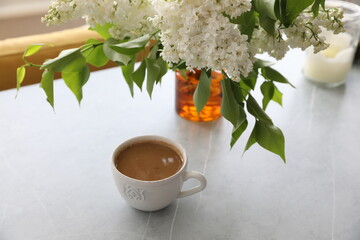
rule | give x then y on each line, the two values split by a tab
56	183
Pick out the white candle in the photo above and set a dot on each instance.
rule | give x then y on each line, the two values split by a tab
333	64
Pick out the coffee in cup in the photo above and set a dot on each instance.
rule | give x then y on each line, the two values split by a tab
148	161
149	172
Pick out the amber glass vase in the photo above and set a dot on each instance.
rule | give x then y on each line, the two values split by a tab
185	89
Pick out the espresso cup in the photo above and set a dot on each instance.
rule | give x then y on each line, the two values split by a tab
152	195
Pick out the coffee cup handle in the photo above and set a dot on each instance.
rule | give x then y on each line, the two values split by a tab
201	178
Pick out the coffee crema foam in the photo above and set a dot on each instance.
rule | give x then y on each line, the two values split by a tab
148	161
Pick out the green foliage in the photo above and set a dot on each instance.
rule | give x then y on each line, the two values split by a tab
111	54
47	84
266	8
138	76
131	47
316	6
268	24
153	71
267	89
265	132
270	93
94	53
237	101
277	97
127	71
295	7
246	23
163	68
262	63
273	75
20	75
266	14
251	141
251	79
237	132
103	30
232	110
270	137
68	61
254	109
32	49
287	10
202	91
75	80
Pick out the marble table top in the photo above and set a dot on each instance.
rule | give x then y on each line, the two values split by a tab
56	182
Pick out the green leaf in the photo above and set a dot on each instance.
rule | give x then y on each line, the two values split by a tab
183	73
270	92
127	71
133	46
246	22
277	96
251	79
95	55
230	109
277	9
267	89
76	80
255	110
75	64
118	58
153	51
163	68
271	138
179	66
153	70
32	49
20	75
281	13
266	7
262	63
268	24
103	30
47	84
202	91
237	132
273	75
315	7
238	93
251	141
245	89
139	75
68	60
295	7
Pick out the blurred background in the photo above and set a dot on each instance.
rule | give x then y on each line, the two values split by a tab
23	17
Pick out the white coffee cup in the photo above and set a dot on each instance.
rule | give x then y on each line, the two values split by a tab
155	195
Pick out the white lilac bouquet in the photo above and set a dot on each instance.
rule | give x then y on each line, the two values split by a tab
225	35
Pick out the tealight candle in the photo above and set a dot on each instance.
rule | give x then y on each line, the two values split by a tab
331	66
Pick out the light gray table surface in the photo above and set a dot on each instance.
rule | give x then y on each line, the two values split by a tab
56	183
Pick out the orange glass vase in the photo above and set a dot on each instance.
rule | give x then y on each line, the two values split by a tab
185	89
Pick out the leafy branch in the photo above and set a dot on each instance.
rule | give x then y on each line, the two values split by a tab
73	64
237	101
